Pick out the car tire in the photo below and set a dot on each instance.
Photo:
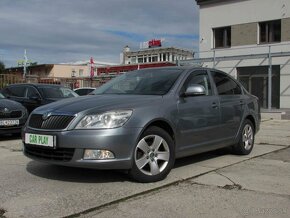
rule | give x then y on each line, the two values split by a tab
246	139
153	156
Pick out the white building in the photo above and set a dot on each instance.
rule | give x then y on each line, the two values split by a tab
249	39
154	55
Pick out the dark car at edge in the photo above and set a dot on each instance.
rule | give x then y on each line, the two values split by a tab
12	116
143	120
32	95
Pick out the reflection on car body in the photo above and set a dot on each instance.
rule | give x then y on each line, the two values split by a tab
143	120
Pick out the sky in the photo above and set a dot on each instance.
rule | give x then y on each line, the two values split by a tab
59	31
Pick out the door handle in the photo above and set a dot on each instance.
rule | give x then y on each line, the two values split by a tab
214	105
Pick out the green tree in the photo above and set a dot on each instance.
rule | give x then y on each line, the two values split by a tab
2	67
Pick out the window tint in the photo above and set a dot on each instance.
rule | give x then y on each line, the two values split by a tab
16	91
56	92
225	85
82	91
32	92
141	82
199	77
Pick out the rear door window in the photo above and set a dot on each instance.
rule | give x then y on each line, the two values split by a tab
82	91
32	92
225	85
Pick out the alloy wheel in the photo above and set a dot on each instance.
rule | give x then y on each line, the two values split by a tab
152	155
248	137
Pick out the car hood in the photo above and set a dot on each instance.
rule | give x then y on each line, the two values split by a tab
12	105
97	103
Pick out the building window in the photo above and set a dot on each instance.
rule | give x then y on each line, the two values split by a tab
222	37
133	60
154	58
140	59
73	73
81	72
270	31
164	57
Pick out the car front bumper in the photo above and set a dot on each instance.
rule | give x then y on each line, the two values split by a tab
13	129
70	147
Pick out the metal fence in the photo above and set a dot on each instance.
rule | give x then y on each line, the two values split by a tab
230	59
72	82
6	79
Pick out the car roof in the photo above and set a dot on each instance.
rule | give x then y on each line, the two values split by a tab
184	68
36	84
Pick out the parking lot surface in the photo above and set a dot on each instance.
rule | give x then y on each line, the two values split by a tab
215	184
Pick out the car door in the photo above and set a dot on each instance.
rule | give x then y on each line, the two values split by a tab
33	98
232	103
199	116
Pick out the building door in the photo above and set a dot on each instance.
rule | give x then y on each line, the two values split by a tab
255	80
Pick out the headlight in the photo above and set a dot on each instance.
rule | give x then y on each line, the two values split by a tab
107	120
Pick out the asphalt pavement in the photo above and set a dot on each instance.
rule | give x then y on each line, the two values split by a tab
214	184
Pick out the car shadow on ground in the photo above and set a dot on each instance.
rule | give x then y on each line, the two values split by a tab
83	175
201	157
73	174
7	137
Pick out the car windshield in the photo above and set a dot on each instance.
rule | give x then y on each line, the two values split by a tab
142	82
57	92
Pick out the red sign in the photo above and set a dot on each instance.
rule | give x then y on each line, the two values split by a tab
154	43
92	67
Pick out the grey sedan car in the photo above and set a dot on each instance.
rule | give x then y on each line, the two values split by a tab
143	120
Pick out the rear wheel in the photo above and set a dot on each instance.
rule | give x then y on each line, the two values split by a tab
153	156
246	139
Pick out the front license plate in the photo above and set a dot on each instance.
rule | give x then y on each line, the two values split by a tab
9	122
42	140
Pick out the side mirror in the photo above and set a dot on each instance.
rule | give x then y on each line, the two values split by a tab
194	90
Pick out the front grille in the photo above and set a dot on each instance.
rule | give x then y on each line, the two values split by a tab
52	122
12	114
59	154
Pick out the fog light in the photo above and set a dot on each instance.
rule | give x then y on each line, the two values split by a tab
98	154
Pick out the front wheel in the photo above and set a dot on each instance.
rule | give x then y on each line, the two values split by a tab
246	139
153	156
